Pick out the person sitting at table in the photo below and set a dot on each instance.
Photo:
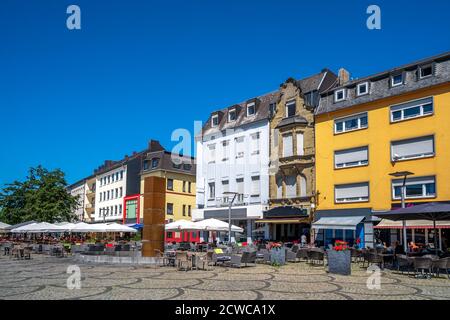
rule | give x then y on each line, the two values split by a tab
413	247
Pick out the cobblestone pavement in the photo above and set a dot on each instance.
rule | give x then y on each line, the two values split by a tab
45	277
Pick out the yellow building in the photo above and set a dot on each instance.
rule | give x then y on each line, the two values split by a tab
366	129
177	182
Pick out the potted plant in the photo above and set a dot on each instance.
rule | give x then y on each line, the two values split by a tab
339	258
277	254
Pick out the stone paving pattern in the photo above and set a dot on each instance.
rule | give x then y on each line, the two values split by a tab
45	277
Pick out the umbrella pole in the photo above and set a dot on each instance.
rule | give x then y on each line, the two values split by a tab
435	237
405	242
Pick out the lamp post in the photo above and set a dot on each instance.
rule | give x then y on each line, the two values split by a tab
403	174
230	203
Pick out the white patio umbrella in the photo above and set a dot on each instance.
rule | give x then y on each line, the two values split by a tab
216	225
116	227
3	227
182	225
86	227
41	227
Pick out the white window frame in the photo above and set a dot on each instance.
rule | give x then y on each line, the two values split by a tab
416	156
413	181
422	114
255	143
425	66
397	84
344	95
289	103
343	119
255	180
350	164
239	154
252	104
352	200
358	88
216	116
229	114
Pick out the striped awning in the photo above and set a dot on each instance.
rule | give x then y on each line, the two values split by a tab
412	224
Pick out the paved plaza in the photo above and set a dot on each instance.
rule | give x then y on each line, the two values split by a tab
45	277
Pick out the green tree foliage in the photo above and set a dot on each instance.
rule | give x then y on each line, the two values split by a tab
41	197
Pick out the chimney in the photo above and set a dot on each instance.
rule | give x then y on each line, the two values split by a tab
343	76
154	145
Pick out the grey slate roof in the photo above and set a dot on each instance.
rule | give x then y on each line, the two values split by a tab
318	82
166	163
379	84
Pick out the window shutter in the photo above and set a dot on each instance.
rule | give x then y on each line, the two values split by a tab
412	147
287	145
356	190
300	147
351	155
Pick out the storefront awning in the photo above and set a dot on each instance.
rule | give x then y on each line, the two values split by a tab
338	223
412	224
281	221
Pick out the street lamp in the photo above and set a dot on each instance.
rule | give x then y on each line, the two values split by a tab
230	203
403	174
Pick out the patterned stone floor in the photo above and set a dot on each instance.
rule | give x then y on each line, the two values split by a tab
45	277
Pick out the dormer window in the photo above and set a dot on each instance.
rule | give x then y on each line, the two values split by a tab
250	109
272	109
215	120
339	95
155	162
425	71
397	80
232	115
290	108
362	88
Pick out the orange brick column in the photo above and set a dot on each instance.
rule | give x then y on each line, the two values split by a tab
154	215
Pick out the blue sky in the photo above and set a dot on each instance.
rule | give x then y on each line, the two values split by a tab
140	69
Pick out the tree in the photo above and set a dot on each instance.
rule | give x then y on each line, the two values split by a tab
43	196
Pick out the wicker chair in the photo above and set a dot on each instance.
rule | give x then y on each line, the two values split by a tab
422	264
375	258
441	264
403	263
316	255
183	261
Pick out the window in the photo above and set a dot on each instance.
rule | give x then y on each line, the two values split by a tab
109	179
170	208
250	109
272	109
254	143
300	147
145	165
117	176
362	88
291	186
212	153
225	150
356	192
189	187
212	190
232	115
239	147
412	148
187	166
287	145
412	109
255	191
339	95
115	210
184	210
225	186
120	209
112	177
302	186
100	197
240	190
423	187
425	71
121	175
184	186
169	184
351	157
215	120
107	197
290	109
350	123
117	193
397	80
279	181
176	165
189	211
120	192
155	162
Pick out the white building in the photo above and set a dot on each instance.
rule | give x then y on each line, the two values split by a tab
233	155
78	190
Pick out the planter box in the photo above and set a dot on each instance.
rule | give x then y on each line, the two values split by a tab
278	256
339	262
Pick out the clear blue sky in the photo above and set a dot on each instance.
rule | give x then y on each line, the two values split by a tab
139	69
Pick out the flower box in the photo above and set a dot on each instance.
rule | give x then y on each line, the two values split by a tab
278	256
